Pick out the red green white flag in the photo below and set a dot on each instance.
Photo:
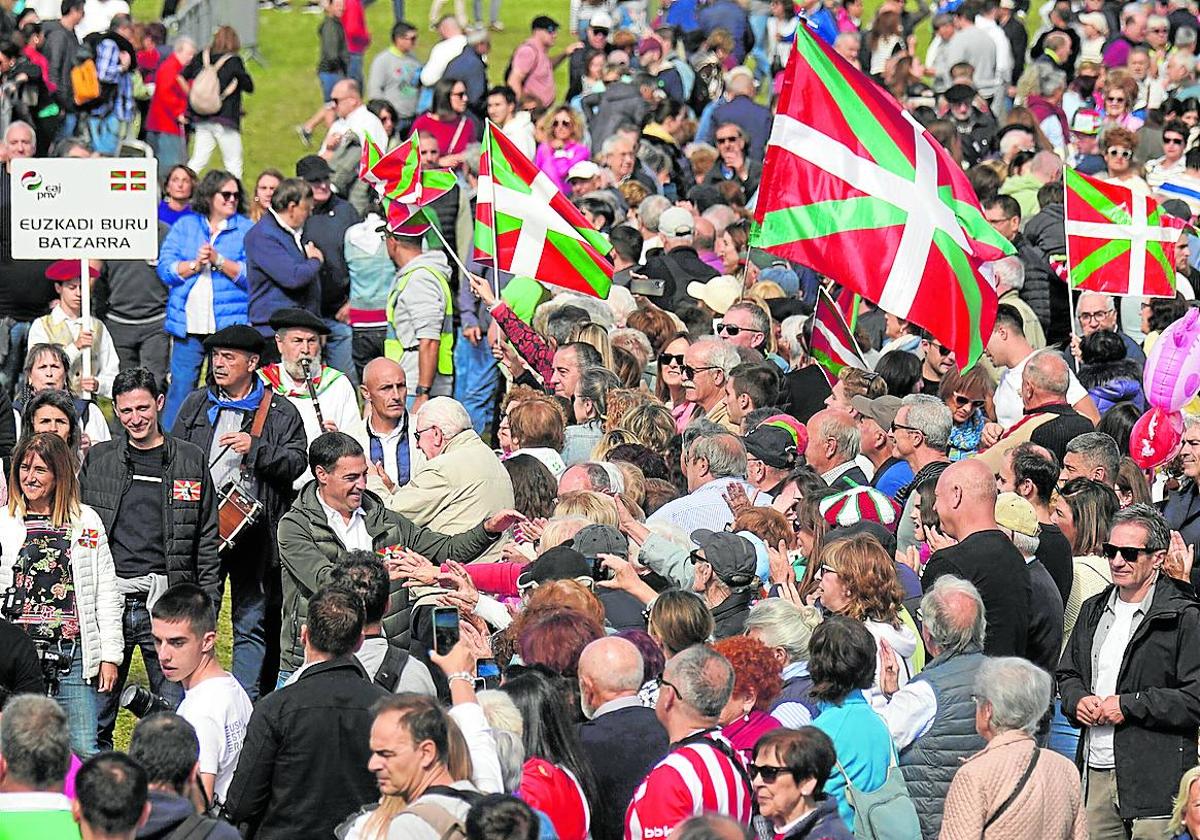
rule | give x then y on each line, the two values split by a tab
1118	242
525	225
395	176
832	344
856	189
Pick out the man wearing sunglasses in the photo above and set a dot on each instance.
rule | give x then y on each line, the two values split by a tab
706	368
1130	676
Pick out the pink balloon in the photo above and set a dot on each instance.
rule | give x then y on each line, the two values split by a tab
1172	374
1156	438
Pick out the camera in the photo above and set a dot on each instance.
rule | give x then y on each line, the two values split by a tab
56	664
142	702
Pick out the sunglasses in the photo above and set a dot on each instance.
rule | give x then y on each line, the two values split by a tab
668	359
767	773
1129	553
900	426
1124	154
458	94
690	372
1119	99
938	346
563	124
964	401
723	140
1172	141
229	195
731	330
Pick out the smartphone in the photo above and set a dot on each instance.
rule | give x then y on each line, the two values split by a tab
445	629
599	572
639	284
487	674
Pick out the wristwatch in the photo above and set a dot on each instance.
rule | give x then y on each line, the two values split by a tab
194	267
423	390
219	263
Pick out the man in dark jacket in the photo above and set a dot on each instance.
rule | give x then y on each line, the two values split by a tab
303	767
326	228
470	68
336	514
60	49
621	738
1130	675
159	508
258	457
678	263
1045	293
281	269
742	110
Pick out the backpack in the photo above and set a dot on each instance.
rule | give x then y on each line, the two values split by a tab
447	826
206	96
886	813
195	827
85	81
394	662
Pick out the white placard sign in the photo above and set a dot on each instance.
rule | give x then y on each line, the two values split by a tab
98	208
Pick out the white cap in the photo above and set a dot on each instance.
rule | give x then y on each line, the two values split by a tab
718	294
601	20
585	169
676	222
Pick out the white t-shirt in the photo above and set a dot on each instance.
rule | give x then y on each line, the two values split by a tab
364	124
1007	399
219	710
1104	683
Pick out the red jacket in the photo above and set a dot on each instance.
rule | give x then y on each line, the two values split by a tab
548	787
354	21
169	101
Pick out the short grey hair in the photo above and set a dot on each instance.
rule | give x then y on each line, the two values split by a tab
510	752
725	453
1017	690
782	624
932	417
1014	140
501	712
721	216
1109	302
183	42
1158	532
719	353
844	434
1010	271
1100	449
945	619
447	414
703	679
1047	371
620	334
791	333
651	210
20	124
759	319
1185	36
1050	79
35	741
1026	544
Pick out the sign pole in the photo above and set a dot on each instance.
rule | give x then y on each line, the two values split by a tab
85	309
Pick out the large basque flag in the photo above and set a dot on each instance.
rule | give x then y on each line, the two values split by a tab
524	224
856	189
1118	242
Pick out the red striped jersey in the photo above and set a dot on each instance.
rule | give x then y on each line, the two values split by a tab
697	777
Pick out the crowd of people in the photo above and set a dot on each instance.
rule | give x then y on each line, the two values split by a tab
504	561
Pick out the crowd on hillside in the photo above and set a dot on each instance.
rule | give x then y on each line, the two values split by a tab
505	561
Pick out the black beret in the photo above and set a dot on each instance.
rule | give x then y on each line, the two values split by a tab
236	337
282	319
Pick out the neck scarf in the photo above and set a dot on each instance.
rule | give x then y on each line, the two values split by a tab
247	403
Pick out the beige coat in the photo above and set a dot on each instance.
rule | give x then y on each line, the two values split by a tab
457	490
1049	807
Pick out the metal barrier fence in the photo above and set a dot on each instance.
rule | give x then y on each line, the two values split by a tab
199	20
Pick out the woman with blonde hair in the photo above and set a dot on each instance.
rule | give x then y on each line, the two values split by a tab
652	424
609	441
857	579
969	398
597	337
1185	818
561	146
592	506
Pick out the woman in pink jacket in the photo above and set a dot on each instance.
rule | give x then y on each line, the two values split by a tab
562	147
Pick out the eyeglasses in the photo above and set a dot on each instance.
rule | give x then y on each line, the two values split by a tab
1124	154
1172	141
826	570
1129	553
690	372
668	359
963	401
418	432
899	426
767	772
734	139
1158	30
563	124
1099	315
1118	99
458	94
731	330
661	681
229	195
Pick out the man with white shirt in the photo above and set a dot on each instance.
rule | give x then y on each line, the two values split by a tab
298	336
514	122
64	326
352	116
712	460
453	42
184	625
98	15
391	434
335	514
1009	350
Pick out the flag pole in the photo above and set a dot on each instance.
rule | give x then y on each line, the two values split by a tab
453	254
1067	245
492	183
85	312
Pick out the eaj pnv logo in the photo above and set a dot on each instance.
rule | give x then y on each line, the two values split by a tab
31	181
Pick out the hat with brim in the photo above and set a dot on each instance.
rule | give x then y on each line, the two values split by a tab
772	445
718	294
731	556
600	539
1015	513
882	410
960	93
236	337
559	563
313	169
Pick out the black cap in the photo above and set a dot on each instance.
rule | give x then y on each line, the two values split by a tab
956	94
282	319
545	22
600	539
313	168
772	445
559	563
732	556
236	337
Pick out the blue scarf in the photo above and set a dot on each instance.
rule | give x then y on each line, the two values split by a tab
247	403
965	437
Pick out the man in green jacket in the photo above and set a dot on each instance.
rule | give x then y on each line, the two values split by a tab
336	514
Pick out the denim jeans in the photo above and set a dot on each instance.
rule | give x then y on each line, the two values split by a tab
475	372
169	149
68	126
1064	738
248	614
105	134
762	63
339	353
14	362
77	697
478	9
187	357
398	10
135	626
328	80
355	70
284	676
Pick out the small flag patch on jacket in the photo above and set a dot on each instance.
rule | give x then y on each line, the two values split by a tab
89	538
183	490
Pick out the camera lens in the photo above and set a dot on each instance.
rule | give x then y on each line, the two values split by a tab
140	701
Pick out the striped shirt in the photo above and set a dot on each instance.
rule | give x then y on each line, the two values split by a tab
695	778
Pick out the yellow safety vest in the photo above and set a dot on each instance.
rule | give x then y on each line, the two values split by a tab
394	350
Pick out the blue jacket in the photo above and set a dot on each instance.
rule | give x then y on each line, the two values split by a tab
280	275
727	15
863	745
181	245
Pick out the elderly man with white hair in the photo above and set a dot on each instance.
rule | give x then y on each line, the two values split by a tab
706	367
462	481
1009	273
